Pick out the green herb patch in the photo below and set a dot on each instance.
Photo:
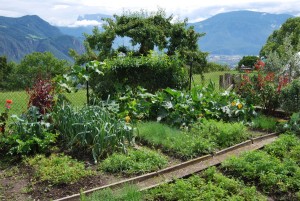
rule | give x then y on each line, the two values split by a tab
278	177
221	133
210	185
58	169
128	193
174	141
286	146
203	138
134	162
264	123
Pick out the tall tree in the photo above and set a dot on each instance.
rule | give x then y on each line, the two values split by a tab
276	41
38	64
147	31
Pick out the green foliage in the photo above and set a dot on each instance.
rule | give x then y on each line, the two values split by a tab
213	67
178	108
152	72
248	61
264	123
92	129
286	146
134	162
279	177
57	169
210	185
173	141
293	124
275	42
127	193
78	76
6	70
262	89
37	64
204	137
220	133
30	134
290	97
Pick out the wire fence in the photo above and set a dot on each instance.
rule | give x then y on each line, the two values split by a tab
20	98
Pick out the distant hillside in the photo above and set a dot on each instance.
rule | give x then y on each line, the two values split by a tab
24	35
238	32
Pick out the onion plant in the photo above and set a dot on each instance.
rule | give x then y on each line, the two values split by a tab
92	128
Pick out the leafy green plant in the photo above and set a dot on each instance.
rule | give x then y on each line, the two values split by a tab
153	72
293	124
30	133
221	133
286	146
127	193
265	123
93	129
275	177
57	169
134	162
173	141
290	97
210	185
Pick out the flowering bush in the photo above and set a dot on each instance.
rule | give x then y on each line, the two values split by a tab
262	89
4	115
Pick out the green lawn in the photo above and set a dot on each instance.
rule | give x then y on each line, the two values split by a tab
213	76
20	100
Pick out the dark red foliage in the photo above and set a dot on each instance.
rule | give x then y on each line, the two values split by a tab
41	95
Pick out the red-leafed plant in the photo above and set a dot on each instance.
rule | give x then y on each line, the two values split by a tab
262	89
41	95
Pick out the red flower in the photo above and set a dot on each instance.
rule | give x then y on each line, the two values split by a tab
8	101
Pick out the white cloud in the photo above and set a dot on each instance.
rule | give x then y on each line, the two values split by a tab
85	23
65	12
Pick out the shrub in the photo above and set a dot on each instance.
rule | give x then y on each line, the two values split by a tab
58	169
134	162
290	97
152	72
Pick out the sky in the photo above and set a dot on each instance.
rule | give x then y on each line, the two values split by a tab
66	12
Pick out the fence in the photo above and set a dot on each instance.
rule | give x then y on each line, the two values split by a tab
20	99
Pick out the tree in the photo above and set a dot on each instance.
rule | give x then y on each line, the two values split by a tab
248	61
276	41
43	65
146	31
6	71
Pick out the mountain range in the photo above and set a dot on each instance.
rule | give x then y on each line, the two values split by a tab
27	34
227	34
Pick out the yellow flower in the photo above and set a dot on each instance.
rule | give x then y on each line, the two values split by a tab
240	106
233	103
127	119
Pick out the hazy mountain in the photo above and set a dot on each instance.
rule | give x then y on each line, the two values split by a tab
233	33
238	32
24	35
